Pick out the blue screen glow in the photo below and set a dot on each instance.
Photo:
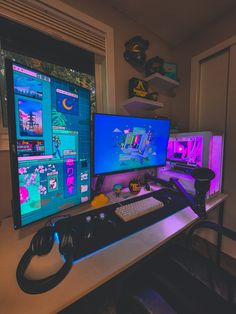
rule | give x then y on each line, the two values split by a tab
123	143
52	126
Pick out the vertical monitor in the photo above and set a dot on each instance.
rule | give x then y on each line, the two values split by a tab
124	143
49	128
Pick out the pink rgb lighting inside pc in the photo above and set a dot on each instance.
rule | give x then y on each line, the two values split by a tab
187	151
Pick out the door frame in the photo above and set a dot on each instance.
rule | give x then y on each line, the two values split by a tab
195	79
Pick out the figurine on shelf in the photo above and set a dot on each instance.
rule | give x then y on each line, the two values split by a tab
135	52
138	88
170	69
154	65
153	96
117	189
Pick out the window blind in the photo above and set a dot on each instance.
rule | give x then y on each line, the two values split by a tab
55	23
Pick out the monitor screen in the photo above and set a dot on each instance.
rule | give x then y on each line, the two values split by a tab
49	129
124	143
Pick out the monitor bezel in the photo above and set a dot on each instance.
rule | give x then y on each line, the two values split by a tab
11	119
127	170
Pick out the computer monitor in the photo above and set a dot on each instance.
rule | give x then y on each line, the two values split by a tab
49	131
125	143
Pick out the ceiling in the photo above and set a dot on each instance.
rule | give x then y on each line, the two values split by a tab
174	21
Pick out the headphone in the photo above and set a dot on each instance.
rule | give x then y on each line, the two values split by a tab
41	244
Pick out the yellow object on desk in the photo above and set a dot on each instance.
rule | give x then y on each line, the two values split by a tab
99	200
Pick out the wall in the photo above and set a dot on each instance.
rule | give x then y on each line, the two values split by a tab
211	36
207	38
5	184
124	29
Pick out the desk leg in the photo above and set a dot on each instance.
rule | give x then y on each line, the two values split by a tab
219	236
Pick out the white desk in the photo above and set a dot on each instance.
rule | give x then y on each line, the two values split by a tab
87	274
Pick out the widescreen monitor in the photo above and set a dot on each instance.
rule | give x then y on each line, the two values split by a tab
49	131
125	143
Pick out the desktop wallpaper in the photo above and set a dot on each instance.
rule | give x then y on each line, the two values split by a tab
126	143
53	143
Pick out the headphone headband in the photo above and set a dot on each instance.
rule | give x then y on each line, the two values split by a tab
41	244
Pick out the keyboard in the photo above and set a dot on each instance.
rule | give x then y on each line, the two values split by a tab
137	209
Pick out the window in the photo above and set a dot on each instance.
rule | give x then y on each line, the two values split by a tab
72	26
69	75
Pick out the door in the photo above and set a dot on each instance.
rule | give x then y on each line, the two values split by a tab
213	92
215	110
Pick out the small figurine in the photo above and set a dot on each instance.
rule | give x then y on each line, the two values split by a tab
138	87
135	51
153	96
117	189
154	65
134	186
170	69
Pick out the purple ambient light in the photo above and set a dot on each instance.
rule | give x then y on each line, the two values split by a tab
215	162
188	149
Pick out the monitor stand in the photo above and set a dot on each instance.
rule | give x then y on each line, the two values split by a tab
98	185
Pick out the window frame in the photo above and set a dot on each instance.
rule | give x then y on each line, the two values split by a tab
104	61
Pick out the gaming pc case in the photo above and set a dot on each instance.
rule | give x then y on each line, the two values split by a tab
187	151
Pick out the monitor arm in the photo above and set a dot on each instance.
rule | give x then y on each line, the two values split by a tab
202	177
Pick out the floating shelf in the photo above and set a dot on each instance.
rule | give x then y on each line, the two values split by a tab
139	103
162	83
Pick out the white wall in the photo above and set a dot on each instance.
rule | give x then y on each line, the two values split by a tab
124	29
211	36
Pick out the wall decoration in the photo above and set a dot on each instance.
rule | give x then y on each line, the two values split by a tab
135	52
154	65
170	69
138	87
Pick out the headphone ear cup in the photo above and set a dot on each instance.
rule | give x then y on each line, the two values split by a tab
69	242
42	241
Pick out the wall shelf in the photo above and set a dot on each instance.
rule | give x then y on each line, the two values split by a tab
162	83
139	104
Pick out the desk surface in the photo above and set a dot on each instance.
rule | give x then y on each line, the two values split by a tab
87	274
